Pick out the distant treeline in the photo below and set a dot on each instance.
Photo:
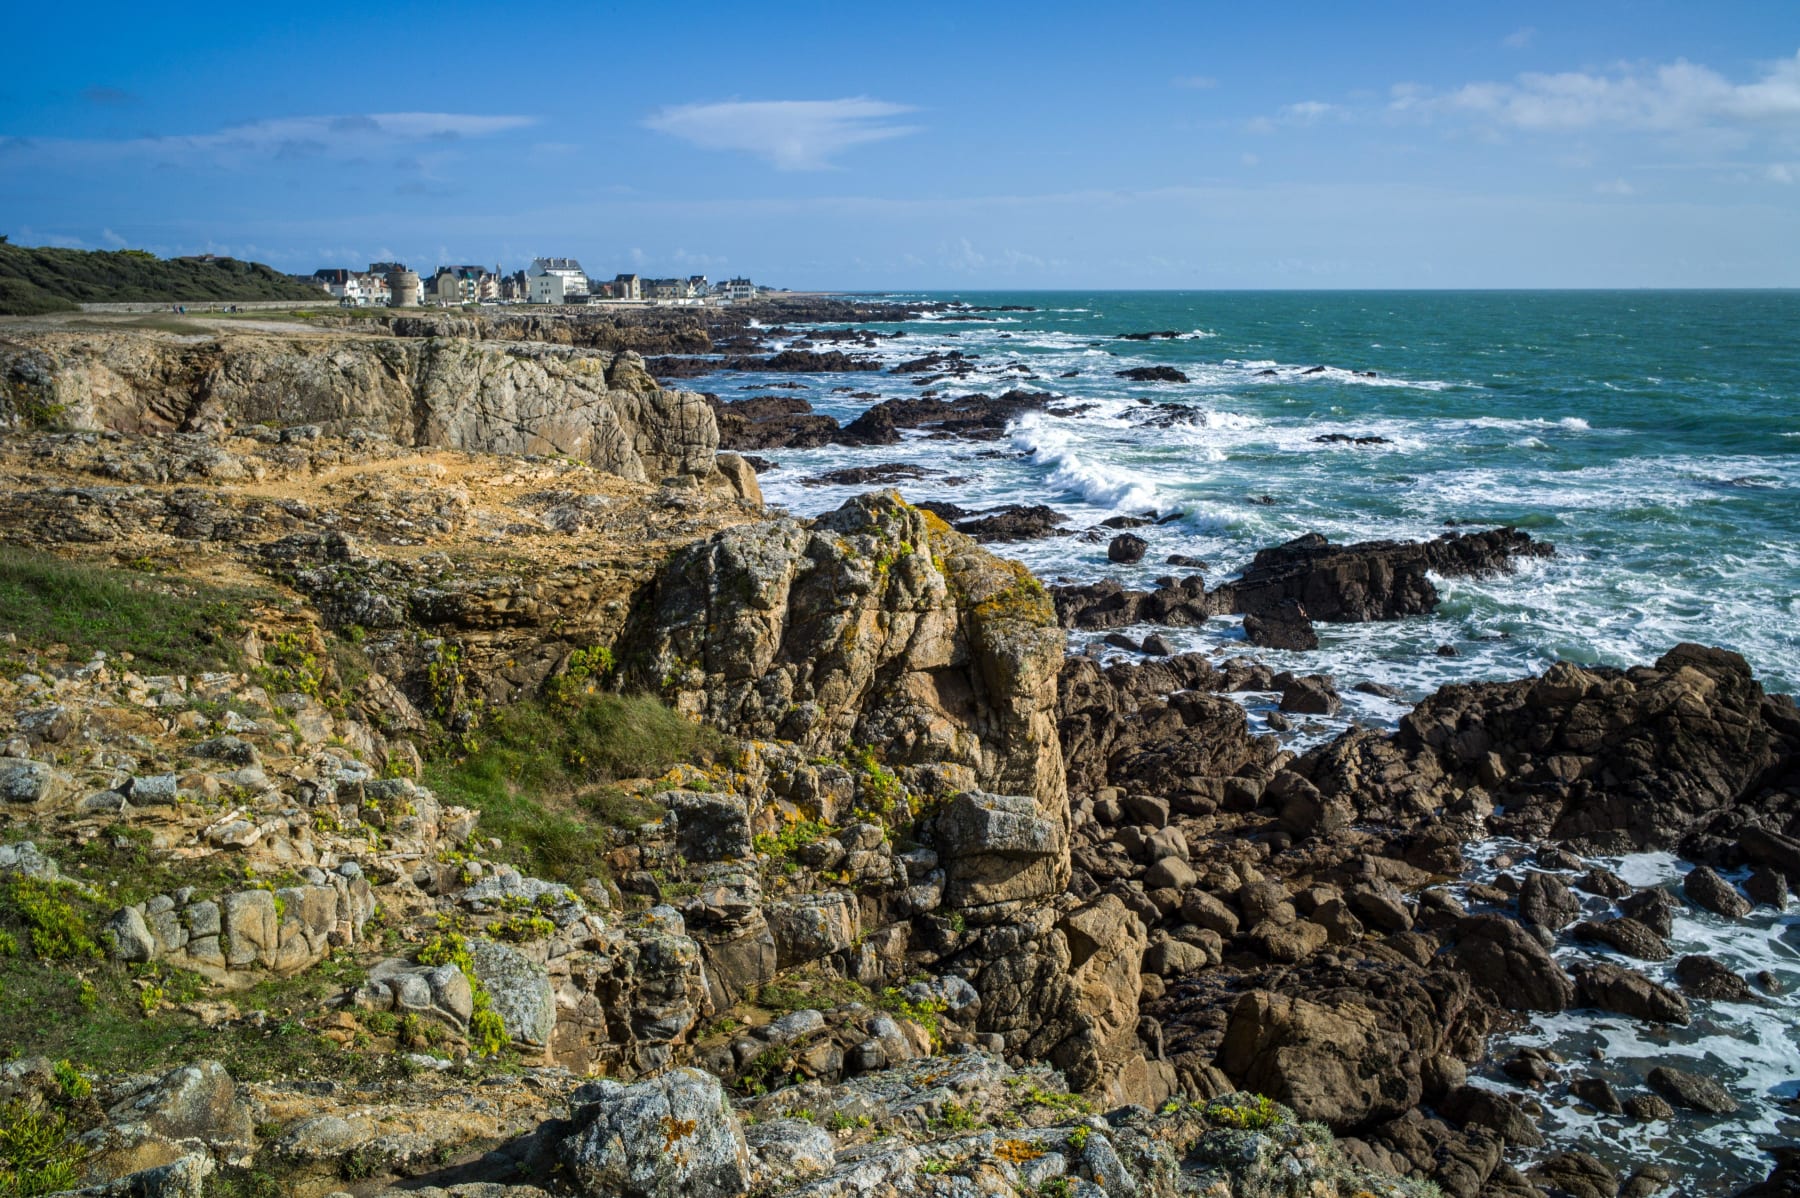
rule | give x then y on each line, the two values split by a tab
37	280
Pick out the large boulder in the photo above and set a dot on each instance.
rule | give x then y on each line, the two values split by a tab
519	989
1613	988
674	1136
709	827
1343	1065
23	780
1706	888
1692	1090
1546	902
809	926
999	851
192	1109
1510	964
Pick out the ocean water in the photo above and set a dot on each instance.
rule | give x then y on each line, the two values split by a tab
1653	437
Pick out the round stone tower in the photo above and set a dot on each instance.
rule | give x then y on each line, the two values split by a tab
403	289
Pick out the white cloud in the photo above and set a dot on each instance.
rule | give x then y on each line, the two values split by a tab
1196	82
794	135
1614	187
1658	97
1518	39
1306	112
1781	172
1299	115
349	135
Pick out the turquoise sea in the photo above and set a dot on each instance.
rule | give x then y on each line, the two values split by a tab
1653	437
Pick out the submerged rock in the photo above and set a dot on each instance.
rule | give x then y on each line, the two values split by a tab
1692	1090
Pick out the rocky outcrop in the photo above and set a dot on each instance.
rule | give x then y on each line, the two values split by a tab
772	422
1325	1062
1153	726
1371	580
1287	587
246	934
874	624
1013	522
1179	603
973	417
486	396
1688	753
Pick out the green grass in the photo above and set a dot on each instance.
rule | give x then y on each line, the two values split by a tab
539	775
122	861
167	626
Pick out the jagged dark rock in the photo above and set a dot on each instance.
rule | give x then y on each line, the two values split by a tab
1284	626
1014	522
1126	549
1153	374
972	417
1109	604
1371	580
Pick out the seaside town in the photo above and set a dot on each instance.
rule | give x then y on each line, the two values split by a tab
545	281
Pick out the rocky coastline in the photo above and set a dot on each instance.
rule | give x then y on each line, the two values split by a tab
531	810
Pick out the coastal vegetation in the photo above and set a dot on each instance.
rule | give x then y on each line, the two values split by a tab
543	772
168	624
40	279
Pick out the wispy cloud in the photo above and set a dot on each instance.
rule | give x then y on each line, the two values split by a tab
1614	187
794	135
1518	39
1306	112
1667	97
110	97
1195	82
352	135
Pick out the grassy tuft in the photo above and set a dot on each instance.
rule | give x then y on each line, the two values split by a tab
180	628
37	1154
540	775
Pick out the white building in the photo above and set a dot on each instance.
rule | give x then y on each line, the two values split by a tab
739	289
346	285
374	289
556	280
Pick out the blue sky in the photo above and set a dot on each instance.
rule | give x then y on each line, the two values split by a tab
1002	145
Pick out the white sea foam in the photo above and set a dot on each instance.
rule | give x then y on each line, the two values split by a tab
1573	423
1633	574
1093	482
1748	1047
